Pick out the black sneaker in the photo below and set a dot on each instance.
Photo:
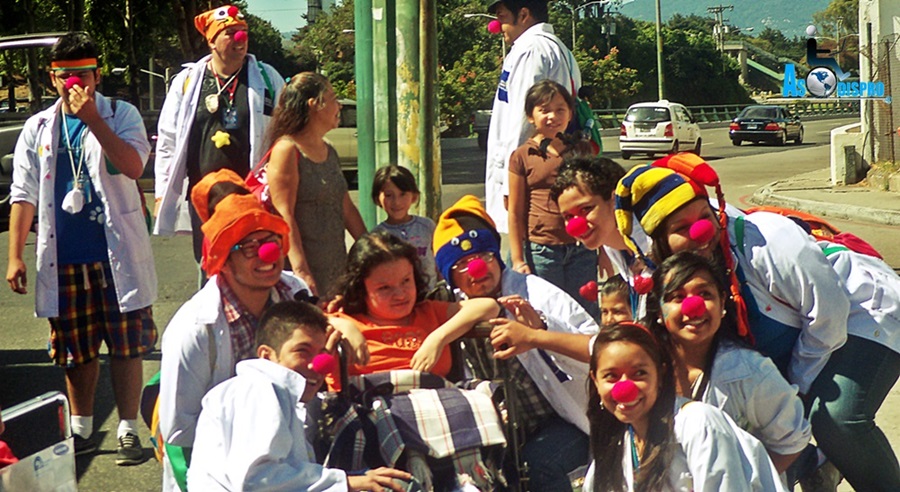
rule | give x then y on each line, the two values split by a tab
85	446
129	451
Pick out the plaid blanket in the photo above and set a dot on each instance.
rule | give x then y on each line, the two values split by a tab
407	409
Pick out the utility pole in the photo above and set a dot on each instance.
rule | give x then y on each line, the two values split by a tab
719	29
660	77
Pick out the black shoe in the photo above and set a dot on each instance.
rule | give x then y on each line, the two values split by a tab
129	451
825	479
85	446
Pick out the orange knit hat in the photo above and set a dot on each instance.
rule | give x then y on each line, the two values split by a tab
235	217
212	22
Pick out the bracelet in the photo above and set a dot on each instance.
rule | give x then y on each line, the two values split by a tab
543	320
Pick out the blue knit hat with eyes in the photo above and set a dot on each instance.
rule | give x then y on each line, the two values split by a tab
463	229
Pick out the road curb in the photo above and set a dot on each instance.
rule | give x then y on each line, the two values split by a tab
768	195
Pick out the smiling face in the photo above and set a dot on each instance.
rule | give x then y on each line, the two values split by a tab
485	286
253	273
677	228
551	117
391	290
297	354
396	202
697	330
614	308
600	215
620	361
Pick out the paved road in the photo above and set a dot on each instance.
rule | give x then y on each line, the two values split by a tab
24	371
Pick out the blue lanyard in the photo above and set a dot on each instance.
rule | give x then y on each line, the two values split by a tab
635	460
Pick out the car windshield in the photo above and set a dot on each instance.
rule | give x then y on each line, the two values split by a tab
348	116
648	114
770	113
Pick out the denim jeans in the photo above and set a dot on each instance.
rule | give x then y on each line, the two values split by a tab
555	449
842	403
567	266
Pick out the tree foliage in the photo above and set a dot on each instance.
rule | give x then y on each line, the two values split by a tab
324	46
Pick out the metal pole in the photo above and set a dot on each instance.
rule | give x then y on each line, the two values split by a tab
429	123
573	29
661	81
870	104
151	84
365	108
407	66
891	132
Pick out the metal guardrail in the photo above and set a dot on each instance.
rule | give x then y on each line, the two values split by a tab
612	118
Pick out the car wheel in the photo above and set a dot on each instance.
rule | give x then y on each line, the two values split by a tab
736	142
674	148
799	139
626	155
782	139
697	146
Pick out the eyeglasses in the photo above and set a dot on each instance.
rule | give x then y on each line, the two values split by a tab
250	248
462	266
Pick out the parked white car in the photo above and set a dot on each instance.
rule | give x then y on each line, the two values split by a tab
660	127
343	138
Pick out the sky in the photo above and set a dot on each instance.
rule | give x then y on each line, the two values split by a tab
284	15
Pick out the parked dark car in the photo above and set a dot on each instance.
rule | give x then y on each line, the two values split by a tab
760	123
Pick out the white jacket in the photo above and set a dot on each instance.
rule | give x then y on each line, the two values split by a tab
189	369
714	455
127	240
874	291
536	55
569	399
251	435
750	389
174	129
792	282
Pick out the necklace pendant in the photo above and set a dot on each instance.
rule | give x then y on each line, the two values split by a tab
212	103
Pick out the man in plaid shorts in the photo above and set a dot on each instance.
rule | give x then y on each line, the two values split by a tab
75	164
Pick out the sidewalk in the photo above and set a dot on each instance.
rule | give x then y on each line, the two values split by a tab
813	193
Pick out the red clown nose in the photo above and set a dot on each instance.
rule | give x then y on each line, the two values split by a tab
494	27
702	231
73	81
324	364
240	37
269	252
477	268
625	391
577	226
589	291
693	307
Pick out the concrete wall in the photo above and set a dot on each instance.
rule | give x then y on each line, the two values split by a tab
879	120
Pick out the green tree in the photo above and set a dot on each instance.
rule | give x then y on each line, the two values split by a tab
324	46
613	84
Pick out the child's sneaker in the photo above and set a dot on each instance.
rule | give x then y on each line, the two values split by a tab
84	446
129	451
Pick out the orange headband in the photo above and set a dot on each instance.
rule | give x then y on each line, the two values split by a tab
65	65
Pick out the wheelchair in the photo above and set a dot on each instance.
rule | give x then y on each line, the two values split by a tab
458	433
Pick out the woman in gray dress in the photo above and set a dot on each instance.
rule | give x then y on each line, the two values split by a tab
306	183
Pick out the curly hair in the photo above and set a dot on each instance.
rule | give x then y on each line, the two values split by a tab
369	251
292	112
593	175
607	445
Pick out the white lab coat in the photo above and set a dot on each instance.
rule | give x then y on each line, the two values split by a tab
565	315
536	55
127	240
251	435
874	291
174	129
714	455
792	282
750	389
188	368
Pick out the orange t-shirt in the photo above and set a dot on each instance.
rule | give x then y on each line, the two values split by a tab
391	347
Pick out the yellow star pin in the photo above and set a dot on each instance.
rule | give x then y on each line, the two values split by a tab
221	139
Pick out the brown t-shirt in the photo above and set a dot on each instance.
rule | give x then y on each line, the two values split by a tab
545	223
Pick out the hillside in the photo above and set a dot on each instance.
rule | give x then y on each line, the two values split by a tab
790	18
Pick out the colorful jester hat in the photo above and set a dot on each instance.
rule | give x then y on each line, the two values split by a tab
463	229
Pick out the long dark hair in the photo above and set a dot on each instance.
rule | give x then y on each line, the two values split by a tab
608	432
292	112
369	251
682	267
